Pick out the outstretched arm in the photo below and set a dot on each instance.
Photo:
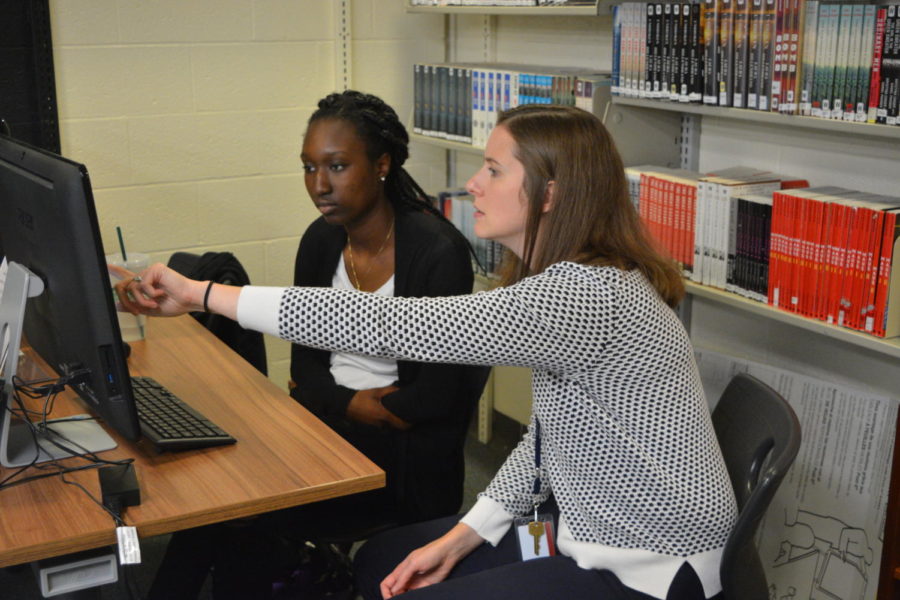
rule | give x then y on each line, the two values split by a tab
160	291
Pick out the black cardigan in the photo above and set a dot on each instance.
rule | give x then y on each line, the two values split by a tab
424	465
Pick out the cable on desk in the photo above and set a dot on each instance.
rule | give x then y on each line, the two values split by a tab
48	390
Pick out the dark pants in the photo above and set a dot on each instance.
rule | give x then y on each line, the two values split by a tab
499	573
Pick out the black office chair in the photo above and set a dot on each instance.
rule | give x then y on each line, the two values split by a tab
223	267
760	436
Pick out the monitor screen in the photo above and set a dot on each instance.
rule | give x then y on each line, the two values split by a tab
48	224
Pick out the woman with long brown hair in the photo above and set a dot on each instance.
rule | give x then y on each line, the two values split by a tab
620	436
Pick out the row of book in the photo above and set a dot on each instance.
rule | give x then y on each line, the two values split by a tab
456	205
824	253
460	102
809	57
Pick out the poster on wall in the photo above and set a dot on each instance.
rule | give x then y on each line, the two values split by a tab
823	533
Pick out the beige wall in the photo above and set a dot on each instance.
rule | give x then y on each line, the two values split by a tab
189	115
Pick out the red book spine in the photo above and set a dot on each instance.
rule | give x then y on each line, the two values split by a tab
655	220
822	261
868	247
691	217
668	209
875	75
644	202
777	244
889	236
845	304
871	282
815	251
799	248
840	238
679	223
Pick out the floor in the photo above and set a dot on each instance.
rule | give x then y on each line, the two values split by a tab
482	460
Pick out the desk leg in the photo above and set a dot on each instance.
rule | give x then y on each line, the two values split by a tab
486	411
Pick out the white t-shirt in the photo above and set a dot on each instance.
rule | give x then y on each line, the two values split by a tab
355	371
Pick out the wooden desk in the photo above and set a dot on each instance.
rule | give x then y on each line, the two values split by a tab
284	456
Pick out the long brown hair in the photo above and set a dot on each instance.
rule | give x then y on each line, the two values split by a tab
591	220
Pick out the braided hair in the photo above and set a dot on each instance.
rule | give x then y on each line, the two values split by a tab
378	125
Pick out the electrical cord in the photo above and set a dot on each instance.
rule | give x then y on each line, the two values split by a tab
48	389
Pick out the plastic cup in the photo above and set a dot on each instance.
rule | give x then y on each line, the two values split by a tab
131	326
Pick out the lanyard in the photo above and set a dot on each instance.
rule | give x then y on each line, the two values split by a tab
536	489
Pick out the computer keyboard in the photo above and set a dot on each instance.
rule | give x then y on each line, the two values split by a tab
169	423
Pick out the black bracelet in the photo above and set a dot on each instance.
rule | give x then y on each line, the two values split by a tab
206	297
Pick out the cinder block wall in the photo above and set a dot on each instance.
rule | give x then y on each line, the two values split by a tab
190	113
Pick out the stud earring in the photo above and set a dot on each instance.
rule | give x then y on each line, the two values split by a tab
382	178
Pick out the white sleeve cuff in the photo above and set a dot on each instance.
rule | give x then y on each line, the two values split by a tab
488	519
258	308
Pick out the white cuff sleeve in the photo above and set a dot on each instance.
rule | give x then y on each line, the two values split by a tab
488	519
258	308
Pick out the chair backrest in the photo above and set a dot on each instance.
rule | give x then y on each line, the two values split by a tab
760	436
223	267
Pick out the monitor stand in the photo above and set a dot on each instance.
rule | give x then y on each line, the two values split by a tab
20	444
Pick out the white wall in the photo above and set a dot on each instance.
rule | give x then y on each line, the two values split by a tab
190	113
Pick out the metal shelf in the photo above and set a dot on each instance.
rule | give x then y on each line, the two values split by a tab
446	144
756	116
887	346
601	7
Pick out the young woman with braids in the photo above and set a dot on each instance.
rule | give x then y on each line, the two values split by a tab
377	234
620	437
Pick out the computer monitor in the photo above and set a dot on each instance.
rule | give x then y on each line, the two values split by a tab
48	224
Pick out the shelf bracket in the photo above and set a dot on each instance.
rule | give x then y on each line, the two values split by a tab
343	58
690	142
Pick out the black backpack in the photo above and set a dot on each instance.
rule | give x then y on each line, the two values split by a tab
223	267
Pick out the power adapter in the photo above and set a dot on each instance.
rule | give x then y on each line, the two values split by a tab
119	487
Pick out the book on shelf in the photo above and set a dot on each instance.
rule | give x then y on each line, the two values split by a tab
832	256
694	49
826	52
875	71
710	51
858	111
750	274
725	61
816	58
890	68
456	206
794	16
741	52
717	214
754	52
665	199
824	253
766	54
461	102
808	56
857	26
841	63
616	60
653	45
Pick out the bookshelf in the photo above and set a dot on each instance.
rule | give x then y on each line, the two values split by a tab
765	118
889	347
583	9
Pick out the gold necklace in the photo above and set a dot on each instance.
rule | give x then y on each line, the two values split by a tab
371	262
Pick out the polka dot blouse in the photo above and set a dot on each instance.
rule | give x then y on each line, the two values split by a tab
627	444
